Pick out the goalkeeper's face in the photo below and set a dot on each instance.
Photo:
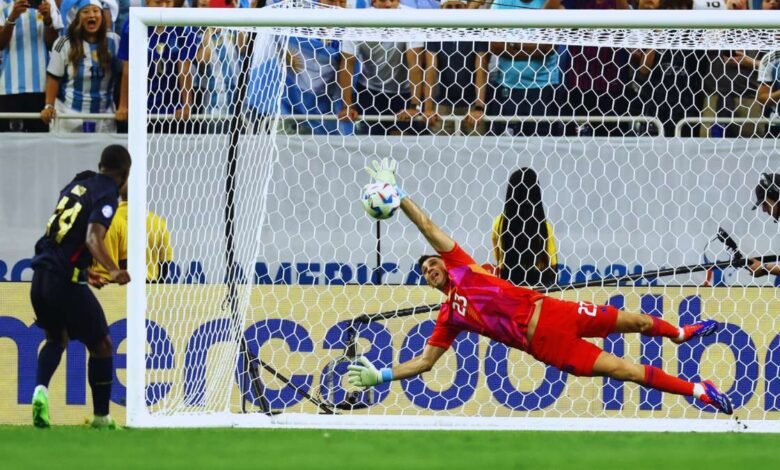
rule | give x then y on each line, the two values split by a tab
435	273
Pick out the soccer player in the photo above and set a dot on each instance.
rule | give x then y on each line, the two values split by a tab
65	307
768	199
549	329
159	253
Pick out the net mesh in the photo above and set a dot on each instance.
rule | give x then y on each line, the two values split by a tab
623	151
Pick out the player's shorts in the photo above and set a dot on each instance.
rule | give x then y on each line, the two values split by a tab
558	341
61	305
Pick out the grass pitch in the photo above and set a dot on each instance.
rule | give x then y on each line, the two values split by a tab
22	447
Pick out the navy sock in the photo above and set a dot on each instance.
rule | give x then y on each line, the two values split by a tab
48	360
100	376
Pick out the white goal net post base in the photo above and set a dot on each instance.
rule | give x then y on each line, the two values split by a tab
276	258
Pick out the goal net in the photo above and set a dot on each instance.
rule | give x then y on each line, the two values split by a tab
603	156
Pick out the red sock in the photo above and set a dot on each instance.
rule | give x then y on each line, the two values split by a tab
662	328
660	380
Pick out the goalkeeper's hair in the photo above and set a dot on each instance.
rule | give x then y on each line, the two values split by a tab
425	258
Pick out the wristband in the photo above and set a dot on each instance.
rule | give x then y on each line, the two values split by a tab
10	22
48	106
386	374
401	193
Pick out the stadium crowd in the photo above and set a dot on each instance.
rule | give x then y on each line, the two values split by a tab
71	56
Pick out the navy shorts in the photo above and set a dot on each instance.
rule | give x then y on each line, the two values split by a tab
61	305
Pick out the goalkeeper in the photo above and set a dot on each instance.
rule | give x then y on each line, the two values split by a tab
549	329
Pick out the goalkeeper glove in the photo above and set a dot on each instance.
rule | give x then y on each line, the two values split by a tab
366	375
384	172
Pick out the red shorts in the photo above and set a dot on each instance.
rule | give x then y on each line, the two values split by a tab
558	341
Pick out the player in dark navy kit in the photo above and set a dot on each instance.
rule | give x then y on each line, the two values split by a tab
64	305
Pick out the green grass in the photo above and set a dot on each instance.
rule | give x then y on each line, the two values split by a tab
71	447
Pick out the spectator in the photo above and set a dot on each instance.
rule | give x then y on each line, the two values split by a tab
26	35
768	92
123	13
83	70
423	72
743	65
267	75
724	83
171	51
526	80
110	12
462	86
214	75
386	82
124	84
314	90
594	80
670	83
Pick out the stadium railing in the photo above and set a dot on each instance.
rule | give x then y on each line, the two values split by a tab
593	119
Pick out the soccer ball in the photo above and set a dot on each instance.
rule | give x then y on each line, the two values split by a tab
380	200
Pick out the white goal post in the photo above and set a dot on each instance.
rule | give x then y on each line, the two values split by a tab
277	273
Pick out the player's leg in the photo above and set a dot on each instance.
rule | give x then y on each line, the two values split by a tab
649	325
46	294
100	377
89	326
618	368
48	361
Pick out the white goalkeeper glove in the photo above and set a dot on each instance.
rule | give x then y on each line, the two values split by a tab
366	375
384	172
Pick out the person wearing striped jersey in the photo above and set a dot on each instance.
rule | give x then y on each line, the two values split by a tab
83	71
768	93
26	35
549	329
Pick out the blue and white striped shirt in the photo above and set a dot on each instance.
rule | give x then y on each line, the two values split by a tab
85	87
24	60
769	74
217	77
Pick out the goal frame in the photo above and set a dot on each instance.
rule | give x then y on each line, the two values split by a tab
142	18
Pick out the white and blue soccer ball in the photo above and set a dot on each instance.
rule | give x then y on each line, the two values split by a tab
380	200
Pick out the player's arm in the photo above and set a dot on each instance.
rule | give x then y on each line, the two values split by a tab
384	172
366	375
440	241
96	233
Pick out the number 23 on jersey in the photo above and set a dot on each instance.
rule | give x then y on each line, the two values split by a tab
459	303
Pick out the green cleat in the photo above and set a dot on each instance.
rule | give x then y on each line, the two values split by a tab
101	422
40	403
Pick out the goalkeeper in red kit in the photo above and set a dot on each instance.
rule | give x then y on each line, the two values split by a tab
549	329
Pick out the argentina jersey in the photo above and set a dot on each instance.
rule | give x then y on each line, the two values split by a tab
769	75
321	60
217	76
85	87
24	58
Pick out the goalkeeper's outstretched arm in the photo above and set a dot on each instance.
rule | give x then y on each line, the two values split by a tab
440	241
366	375
384	172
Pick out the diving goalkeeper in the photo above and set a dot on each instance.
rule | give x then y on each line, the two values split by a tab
549	329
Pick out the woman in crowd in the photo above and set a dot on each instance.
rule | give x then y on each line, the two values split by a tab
82	71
